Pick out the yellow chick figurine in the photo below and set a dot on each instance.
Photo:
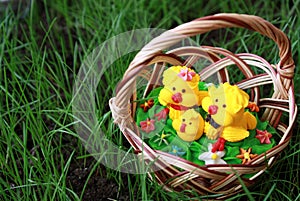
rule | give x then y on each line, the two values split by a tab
227	119
180	91
189	126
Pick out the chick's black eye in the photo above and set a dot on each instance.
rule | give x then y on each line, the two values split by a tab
224	105
183	90
173	88
216	100
190	123
183	120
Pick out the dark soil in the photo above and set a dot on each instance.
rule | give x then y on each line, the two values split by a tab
98	187
89	179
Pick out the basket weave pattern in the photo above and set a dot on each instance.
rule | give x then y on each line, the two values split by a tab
176	173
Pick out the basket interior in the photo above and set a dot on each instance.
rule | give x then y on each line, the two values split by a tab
252	74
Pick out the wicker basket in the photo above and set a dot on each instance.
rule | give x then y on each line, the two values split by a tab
178	174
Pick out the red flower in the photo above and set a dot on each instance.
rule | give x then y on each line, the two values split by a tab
253	107
148	125
162	114
147	105
263	136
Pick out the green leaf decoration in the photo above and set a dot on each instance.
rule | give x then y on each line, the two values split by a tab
271	130
196	160
154	94
202	86
204	141
232	160
262	148
230	155
248	176
231	151
169	128
196	147
169	123
141	115
201	111
250	142
261	125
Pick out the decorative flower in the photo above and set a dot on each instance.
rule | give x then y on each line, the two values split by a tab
161	138
147	105
177	151
212	158
186	74
246	156
263	136
253	107
162	114
148	125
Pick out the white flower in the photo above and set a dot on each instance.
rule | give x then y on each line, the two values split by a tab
212	158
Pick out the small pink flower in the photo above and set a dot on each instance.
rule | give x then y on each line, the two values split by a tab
186	74
162	114
263	136
148	125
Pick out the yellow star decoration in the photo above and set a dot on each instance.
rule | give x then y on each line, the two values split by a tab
246	156
161	138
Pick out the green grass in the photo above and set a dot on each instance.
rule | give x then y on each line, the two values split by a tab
40	56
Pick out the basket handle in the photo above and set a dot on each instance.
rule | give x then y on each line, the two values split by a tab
286	64
285	67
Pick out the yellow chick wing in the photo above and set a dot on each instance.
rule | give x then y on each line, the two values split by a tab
176	124
234	134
